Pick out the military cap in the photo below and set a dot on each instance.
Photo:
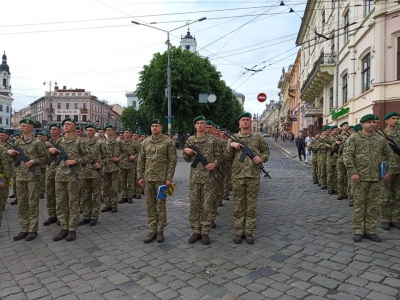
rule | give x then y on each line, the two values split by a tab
326	127
209	122
54	125
120	132
99	128
333	127
244	114
344	123
109	126
351	126
126	129
17	133
368	117
68	120
90	125
199	118
2	130
357	127
155	121
391	114
79	127
27	121
41	133
376	117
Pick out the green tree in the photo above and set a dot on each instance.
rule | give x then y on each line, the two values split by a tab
191	76
136	119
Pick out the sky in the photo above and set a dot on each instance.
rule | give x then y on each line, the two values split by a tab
92	44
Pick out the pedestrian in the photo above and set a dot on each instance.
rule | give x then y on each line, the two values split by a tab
363	156
301	145
246	178
308	151
156	166
28	180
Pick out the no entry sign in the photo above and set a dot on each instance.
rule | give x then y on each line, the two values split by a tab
261	97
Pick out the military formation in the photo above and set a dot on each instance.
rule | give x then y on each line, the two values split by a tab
79	170
361	163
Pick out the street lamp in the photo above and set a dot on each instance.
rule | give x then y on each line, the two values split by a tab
169	117
50	114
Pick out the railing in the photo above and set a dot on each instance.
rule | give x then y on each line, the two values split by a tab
324	59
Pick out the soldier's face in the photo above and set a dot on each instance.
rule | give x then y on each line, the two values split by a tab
200	126
79	133
369	126
392	121
127	135
156	128
90	132
25	128
135	136
69	126
245	123
101	133
3	137
110	132
142	137
209	128
345	127
55	131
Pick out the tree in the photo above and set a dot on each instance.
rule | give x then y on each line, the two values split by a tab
136	120
191	75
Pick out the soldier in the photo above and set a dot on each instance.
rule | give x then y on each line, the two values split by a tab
28	184
227	187
314	157
342	179
101	134
136	187
128	167
115	153
142	137
4	137
363	156
55	132
91	178
331	161
202	180
42	136
6	171
246	178
156	166
389	206
322	149
67	180
79	131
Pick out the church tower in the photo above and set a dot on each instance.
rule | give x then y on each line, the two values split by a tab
5	94
5	77
188	42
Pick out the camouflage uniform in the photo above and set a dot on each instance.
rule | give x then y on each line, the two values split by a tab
218	191
389	206
342	178
137	189
51	186
363	155
68	187
156	164
246	181
322	157
28	187
331	161
128	169
314	159
6	170
14	180
91	180
226	169
202	183
114	148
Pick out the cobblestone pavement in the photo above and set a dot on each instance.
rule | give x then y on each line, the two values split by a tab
303	250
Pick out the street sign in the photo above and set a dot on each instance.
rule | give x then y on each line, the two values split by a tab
261	97
212	98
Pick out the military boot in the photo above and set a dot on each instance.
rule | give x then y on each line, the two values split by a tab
323	187
249	238
123	200
238	239
130	201
71	236
41	196
150	237
160	236
373	237
385	226
213	225
20	236
105	209
205	239
357	238
84	222
60	236
138	196
114	209
31	236
331	192
93	222
12	196
395	225
15	202
194	238
50	221
340	197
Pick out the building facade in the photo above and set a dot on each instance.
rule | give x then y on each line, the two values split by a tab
5	94
188	42
133	100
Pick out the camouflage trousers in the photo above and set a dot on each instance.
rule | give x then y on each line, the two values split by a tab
156	208
137	189
365	210
14	183
67	198
322	170
314	166
51	197
201	197
350	189
42	181
110	189
227	182
217	198
3	200
331	177
91	198
342	179
245	194
389	205
28	205
126	177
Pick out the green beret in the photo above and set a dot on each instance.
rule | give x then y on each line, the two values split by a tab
391	114
54	125
2	130
244	114
351	126
27	121
344	123
41	133
120	132
79	127
90	126
368	117
68	119
99	128
199	118
126	129
209	122
333	127
109	126
155	121
376	117
357	127
326	127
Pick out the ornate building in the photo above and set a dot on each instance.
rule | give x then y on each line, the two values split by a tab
188	42
5	93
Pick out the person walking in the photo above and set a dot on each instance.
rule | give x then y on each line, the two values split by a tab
301	145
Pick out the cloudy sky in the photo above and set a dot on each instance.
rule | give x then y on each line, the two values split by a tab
92	44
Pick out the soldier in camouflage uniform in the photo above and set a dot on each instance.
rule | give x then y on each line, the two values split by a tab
55	132
28	185
3	142
202	180
136	187
17	137
246	178
342	179
91	178
350	184
389	207
68	185
322	149
331	161
6	170
156	166
363	156
314	158
42	136
227	186
128	167
101	134
79	131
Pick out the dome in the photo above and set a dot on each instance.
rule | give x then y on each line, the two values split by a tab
4	66
188	36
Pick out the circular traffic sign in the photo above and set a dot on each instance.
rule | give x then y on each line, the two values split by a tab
261	97
212	98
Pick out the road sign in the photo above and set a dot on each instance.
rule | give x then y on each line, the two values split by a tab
261	97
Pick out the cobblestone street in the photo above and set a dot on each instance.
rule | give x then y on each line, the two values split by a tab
303	250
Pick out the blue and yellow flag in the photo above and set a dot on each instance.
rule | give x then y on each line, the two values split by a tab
164	191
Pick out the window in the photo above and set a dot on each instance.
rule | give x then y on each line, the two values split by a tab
1	107
6	121
398	58
58	118
4	82
323	17
330	98
366	72
344	88
75	105
346	26
7	109
333	43
66	116
367	7
76	118
84	104
84	118
1	120
66	105
59	105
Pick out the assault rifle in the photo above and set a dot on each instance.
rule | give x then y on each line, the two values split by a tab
64	156
392	144
246	151
97	170
21	157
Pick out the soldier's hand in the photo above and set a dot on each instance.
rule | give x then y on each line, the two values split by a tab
3	185
338	142
236	145
141	182
53	150
189	151
211	166
12	152
115	159
355	178
131	157
329	145
168	182
257	160
29	163
387	177
70	162
96	166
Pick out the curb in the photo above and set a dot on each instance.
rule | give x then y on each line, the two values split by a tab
290	155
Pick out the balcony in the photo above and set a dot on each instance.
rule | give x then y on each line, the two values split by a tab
321	74
84	110
313	111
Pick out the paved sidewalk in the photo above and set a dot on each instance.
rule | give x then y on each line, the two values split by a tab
291	150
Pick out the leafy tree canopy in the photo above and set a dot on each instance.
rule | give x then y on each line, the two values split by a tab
136	120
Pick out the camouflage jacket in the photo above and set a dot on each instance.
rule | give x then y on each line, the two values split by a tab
131	148
51	163
114	148
364	154
157	159
33	149
211	151
76	149
321	146
247	168
97	152
6	167
395	136
332	152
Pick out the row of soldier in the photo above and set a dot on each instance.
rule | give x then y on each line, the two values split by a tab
362	163
76	167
